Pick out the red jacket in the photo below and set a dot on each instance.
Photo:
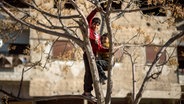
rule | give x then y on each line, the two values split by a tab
96	47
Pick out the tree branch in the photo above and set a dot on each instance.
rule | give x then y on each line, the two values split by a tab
65	35
146	78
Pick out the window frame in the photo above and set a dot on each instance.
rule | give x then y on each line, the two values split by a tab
56	47
20	44
151	52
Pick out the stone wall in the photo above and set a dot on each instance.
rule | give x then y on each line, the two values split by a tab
62	77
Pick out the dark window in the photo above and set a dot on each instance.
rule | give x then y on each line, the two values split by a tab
17	49
63	50
156	11
67	4
116	4
180	52
177	2
17	3
55	3
181	26
12	83
17	44
151	52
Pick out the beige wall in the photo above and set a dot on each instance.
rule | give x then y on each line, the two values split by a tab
66	77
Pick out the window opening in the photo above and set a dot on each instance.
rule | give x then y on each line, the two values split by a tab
180	52
63	50
18	43
17	3
67	4
151	52
16	50
116	4
156	12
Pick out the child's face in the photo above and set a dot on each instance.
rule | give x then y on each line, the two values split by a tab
105	39
95	26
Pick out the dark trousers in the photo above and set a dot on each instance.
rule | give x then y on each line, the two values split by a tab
88	81
102	65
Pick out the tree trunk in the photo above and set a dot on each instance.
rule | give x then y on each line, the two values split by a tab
94	72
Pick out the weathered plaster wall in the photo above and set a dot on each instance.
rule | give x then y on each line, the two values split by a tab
66	77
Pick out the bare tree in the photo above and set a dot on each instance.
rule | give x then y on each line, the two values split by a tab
68	32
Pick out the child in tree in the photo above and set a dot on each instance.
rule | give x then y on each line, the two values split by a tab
94	37
102	58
